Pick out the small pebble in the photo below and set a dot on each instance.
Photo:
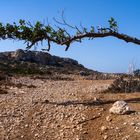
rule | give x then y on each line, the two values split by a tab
103	128
105	137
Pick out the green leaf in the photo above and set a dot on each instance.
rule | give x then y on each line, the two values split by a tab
22	22
92	29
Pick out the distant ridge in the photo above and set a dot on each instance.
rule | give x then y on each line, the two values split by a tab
38	62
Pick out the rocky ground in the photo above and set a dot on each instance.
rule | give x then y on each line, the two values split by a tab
45	97
37	108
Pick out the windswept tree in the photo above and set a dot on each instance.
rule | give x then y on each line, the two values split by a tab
32	34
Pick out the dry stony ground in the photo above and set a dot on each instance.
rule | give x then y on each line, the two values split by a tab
42	109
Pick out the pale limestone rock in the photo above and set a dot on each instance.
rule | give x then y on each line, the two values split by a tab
105	137
120	107
108	119
103	128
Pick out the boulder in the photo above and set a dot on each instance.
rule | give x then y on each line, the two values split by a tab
120	107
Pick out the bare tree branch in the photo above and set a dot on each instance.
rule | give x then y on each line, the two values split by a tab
102	35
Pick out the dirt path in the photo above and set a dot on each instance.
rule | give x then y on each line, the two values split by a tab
39	109
114	127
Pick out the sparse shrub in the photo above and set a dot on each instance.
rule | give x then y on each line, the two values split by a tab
121	85
137	73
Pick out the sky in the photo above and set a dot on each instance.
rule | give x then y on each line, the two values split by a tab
102	54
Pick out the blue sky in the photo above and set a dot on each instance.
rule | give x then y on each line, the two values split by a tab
108	54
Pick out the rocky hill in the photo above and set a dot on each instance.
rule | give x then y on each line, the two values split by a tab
32	62
42	63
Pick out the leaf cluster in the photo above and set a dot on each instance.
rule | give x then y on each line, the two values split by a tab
32	34
113	24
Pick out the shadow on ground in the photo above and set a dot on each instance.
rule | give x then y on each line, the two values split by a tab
91	102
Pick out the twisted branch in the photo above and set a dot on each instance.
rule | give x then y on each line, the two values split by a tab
33	34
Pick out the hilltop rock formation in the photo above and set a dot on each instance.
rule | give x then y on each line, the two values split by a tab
39	57
22	61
